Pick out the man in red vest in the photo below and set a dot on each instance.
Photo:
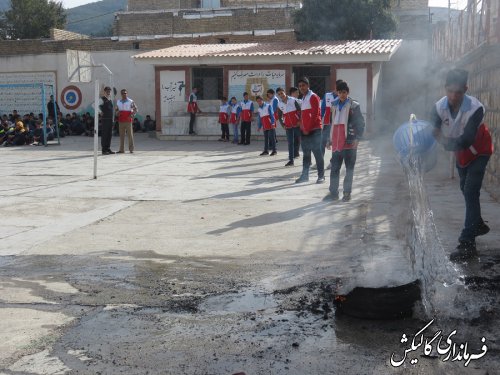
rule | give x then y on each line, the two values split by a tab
459	126
126	109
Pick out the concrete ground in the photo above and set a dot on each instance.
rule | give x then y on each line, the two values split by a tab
204	258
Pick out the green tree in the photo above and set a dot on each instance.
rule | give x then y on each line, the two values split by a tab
344	20
32	19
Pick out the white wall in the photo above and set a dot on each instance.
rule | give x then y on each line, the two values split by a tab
357	81
138	79
376	75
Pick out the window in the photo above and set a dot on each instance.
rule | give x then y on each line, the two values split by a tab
319	78
209	82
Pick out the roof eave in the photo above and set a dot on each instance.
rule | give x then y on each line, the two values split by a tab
265	59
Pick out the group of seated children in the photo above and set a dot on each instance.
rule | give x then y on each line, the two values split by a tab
17	130
28	130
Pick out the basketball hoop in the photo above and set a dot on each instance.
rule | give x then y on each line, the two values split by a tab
80	66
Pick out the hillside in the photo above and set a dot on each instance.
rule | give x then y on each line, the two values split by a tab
93	19
4	5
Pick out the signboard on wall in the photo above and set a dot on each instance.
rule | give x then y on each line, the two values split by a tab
172	91
255	82
25	99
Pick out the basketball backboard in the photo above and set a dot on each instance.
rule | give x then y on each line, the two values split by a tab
79	66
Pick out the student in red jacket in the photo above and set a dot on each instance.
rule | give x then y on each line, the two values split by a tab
289	116
459	126
234	118
347	129
193	109
246	119
224	113
268	124
294	93
310	128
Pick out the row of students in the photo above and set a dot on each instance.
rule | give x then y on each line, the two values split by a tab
233	113
229	113
335	123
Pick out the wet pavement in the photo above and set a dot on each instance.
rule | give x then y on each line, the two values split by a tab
203	258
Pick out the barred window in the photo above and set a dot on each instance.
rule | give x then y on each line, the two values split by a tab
209	82
319	78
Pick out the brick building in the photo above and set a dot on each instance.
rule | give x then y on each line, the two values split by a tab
138	5
413	18
181	17
243	17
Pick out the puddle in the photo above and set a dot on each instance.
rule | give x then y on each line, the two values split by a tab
246	301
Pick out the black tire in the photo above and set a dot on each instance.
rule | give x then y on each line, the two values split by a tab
379	303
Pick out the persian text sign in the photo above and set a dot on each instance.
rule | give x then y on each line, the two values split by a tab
172	91
255	82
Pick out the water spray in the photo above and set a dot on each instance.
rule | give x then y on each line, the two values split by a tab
416	148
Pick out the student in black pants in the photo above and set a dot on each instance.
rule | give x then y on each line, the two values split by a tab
247	109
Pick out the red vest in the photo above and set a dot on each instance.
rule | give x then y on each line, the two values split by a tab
290	115
125	110
265	119
327	118
223	116
246	111
192	105
482	145
454	128
234	114
311	112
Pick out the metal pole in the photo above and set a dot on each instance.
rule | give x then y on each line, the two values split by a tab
96	124
56	120
111	84
44	113
96	113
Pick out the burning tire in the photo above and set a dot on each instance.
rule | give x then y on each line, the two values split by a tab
379	303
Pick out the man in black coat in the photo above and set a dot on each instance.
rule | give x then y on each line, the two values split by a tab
50	108
107	109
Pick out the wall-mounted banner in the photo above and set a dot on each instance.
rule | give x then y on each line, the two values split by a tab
255	82
25	99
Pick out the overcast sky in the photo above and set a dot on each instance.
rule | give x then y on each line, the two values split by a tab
433	3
